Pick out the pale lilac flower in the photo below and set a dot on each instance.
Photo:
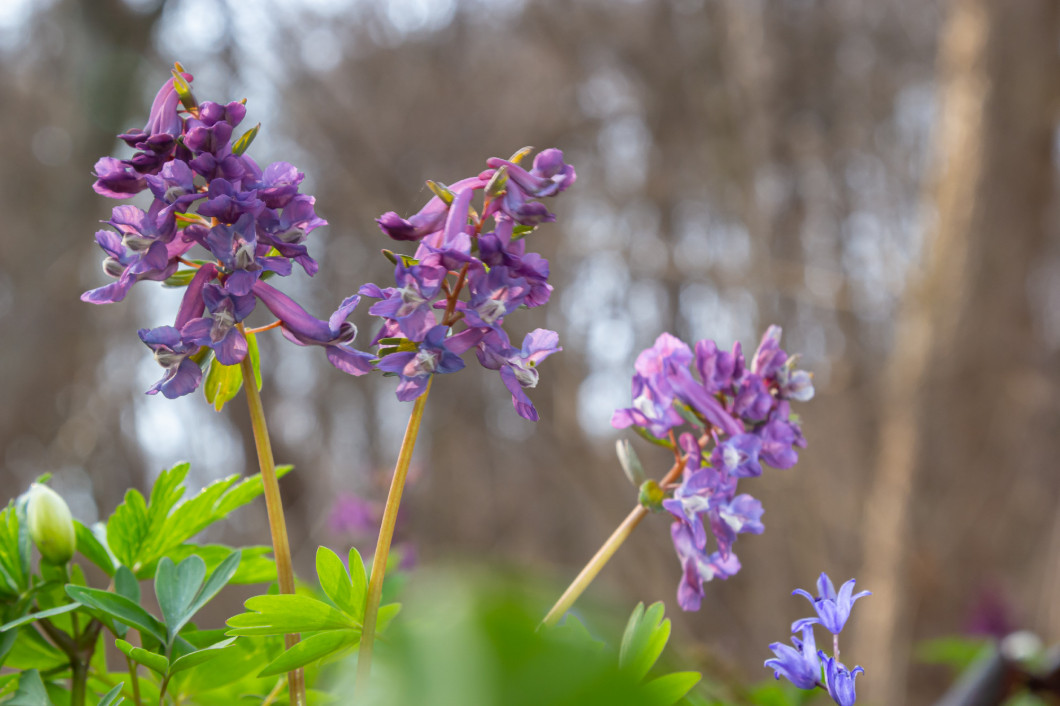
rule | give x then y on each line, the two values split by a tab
833	609
800	665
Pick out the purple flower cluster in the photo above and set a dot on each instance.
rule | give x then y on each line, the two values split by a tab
471	267
208	193
742	415
804	665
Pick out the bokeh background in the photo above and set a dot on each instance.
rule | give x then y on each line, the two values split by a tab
877	176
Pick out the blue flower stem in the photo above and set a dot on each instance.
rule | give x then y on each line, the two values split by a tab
386	534
281	547
604	553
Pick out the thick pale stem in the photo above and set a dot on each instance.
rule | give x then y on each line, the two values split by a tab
281	548
604	554
386	534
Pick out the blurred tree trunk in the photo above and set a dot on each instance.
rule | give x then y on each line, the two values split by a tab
968	383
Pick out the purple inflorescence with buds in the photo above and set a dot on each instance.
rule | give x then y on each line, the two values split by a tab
742	414
252	223
483	253
807	667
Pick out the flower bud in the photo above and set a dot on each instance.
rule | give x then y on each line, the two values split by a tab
50	525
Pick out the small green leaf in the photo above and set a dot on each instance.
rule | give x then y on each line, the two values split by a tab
389	255
630	462
176	587
125	584
359	581
180	278
645	637
282	614
255	358
689	416
89	546
222	383
240	146
31	691
218	579
647	435
58	610
113	697
497	183
385	615
670	688
151	660
118	607
441	191
335	582
198	657
311	649
183	89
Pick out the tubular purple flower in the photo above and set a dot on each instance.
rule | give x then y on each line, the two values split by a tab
430	218
171	352
652	409
833	609
409	304
162	122
518	368
769	358
698	566
301	328
800	665
219	331
780	437
116	179
416	367
753	400
549	176
718	369
738	456
737	516
277	185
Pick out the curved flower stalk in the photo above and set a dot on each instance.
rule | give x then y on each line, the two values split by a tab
471	269
804	665
723	418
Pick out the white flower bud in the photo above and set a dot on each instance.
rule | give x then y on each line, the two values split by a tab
50	525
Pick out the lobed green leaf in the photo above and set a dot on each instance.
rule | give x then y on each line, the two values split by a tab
336	583
120	608
644	639
311	649
670	688
90	547
282	614
198	657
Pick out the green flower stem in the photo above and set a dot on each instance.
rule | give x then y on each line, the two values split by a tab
386	534
281	548
604	553
134	677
